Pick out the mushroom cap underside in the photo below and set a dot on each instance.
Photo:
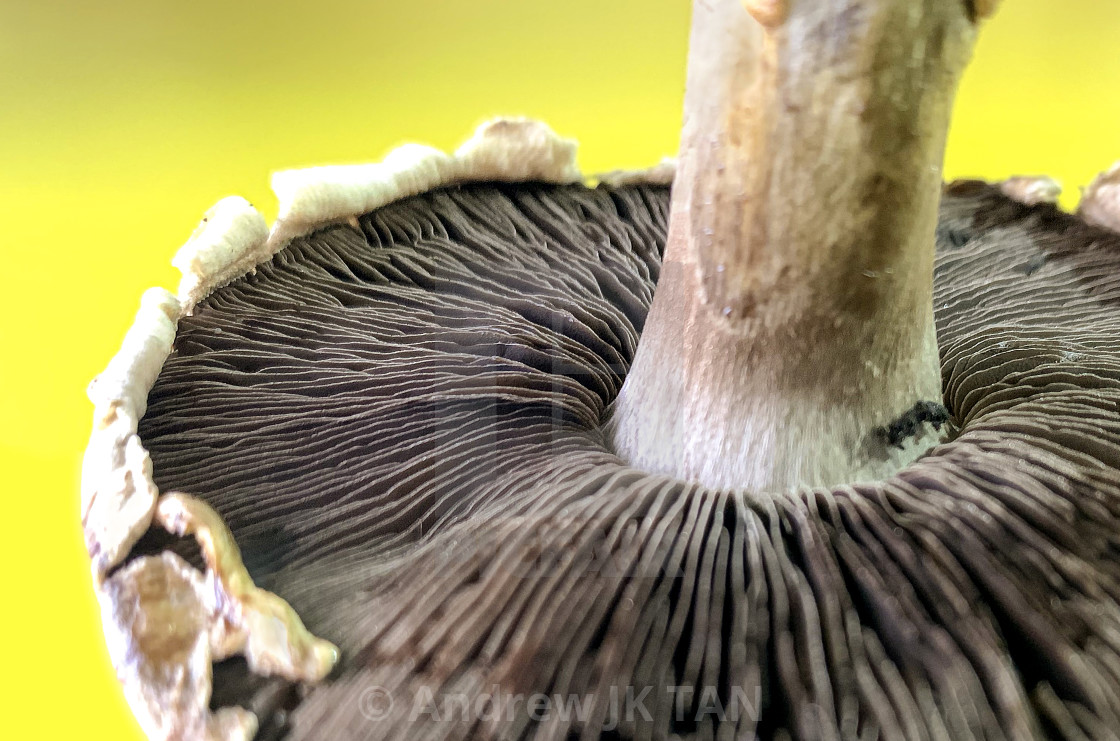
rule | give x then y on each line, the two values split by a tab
399	420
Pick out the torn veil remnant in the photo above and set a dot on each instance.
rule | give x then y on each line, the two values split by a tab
402	409
165	621
1100	204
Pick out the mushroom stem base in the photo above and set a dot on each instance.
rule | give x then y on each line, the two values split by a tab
735	405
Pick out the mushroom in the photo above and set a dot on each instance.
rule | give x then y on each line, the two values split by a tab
452	469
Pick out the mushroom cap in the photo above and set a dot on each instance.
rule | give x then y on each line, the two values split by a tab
399	420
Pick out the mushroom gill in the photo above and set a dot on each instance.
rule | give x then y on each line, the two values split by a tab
452	471
401	424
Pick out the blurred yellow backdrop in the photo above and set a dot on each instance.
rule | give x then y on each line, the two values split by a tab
121	122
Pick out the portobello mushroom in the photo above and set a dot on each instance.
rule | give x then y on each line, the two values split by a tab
431	458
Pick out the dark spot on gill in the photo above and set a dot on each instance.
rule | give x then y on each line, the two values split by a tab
951	237
1033	265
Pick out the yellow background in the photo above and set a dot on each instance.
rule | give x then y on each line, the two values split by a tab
121	122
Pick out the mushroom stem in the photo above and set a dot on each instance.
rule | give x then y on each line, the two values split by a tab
791	339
